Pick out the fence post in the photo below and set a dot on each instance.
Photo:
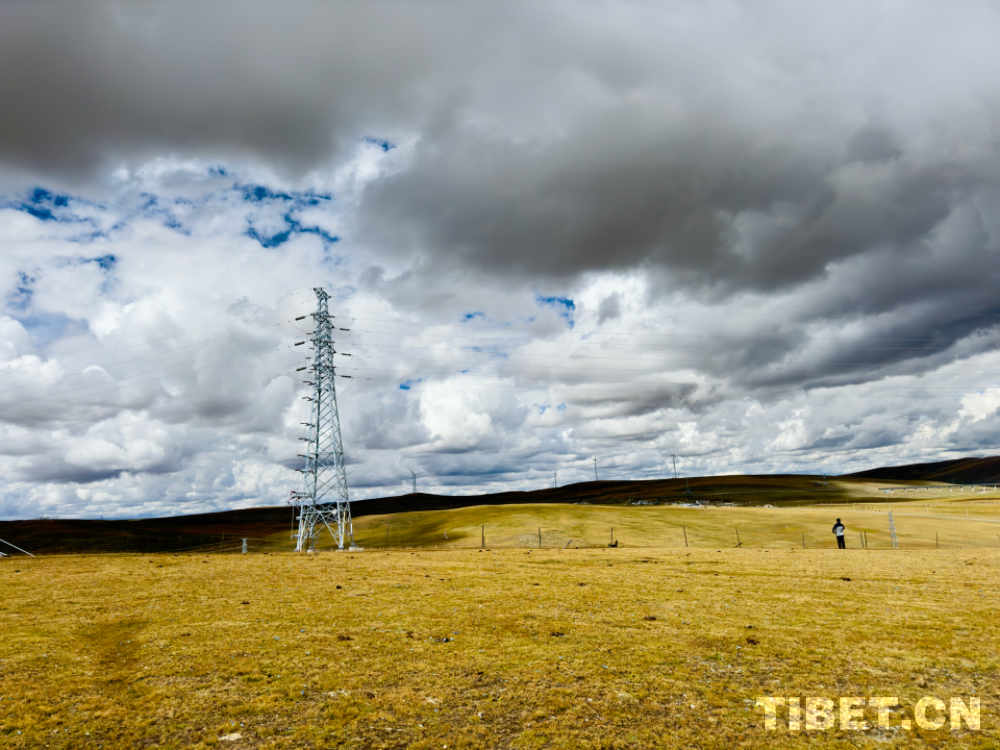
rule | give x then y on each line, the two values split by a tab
483	546
539	538
685	535
803	541
739	543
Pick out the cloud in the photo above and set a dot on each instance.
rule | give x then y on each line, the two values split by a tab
761	237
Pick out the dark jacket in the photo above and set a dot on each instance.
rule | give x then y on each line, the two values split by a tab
838	526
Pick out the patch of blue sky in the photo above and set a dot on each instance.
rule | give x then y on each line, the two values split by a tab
520	321
253	193
564	306
41	195
97	233
291	202
107	265
105	262
48	327
45	205
406	385
327	237
492	351
382	143
152	208
19	298
172	222
561	407
275	240
261	194
149	201
292	227
473	316
87	237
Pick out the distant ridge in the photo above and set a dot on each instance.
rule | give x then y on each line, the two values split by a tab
956	471
271	527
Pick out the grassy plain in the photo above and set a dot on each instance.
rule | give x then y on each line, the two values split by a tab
923	519
659	647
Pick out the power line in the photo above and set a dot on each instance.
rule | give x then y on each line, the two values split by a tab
651	385
499	365
749	338
594	332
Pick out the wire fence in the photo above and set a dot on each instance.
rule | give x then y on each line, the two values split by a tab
873	534
200	544
671	537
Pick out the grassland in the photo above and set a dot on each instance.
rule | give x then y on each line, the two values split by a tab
572	512
923	519
510	647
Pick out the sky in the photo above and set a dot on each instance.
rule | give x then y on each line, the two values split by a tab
751	237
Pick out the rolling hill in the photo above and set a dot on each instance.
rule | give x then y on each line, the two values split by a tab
957	471
270	528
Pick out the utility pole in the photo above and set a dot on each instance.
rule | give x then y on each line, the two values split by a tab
674	456
324	502
595	468
415	475
554	480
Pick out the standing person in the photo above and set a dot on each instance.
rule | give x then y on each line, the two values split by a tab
838	529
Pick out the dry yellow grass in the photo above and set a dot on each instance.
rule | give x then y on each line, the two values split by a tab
505	648
923	523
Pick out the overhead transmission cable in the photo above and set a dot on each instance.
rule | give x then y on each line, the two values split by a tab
758	344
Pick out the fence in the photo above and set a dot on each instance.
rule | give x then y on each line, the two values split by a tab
200	544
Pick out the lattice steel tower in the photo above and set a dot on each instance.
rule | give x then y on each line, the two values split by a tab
324	501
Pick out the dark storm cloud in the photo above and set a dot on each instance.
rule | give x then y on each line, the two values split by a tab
89	83
718	207
544	143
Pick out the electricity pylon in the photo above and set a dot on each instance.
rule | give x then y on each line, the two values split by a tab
324	501
415	475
